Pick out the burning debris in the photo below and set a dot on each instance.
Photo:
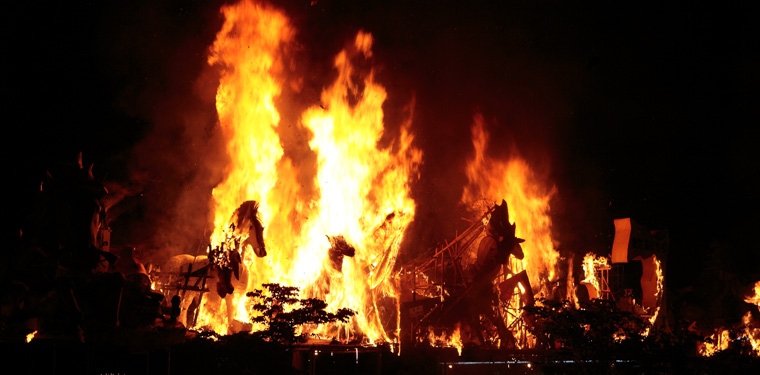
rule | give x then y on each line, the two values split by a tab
744	336
472	300
598	287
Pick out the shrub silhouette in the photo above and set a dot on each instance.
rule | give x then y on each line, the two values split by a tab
281	324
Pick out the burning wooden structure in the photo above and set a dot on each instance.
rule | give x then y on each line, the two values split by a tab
444	286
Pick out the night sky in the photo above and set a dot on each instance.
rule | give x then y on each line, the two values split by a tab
644	110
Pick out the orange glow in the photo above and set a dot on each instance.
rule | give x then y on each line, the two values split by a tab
755	298
30	337
362	190
619	336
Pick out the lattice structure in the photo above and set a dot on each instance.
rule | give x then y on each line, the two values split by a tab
512	303
182	283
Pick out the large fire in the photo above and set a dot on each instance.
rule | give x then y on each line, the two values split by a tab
528	201
490	180
361	194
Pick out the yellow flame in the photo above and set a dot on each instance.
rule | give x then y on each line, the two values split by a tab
362	190
446	340
247	50
30	337
750	333
660	290
528	200
719	342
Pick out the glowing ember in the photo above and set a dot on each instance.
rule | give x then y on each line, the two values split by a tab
528	201
619	336
360	197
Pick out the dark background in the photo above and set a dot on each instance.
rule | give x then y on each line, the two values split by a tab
642	110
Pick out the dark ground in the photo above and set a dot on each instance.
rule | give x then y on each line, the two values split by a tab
238	355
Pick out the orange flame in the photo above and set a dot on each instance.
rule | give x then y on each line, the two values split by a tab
446	340
590	266
719	342
528	201
362	190
750	333
660	290
30	337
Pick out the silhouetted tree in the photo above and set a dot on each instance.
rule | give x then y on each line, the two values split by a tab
273	305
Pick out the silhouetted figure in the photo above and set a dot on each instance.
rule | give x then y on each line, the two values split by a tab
175	308
494	250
